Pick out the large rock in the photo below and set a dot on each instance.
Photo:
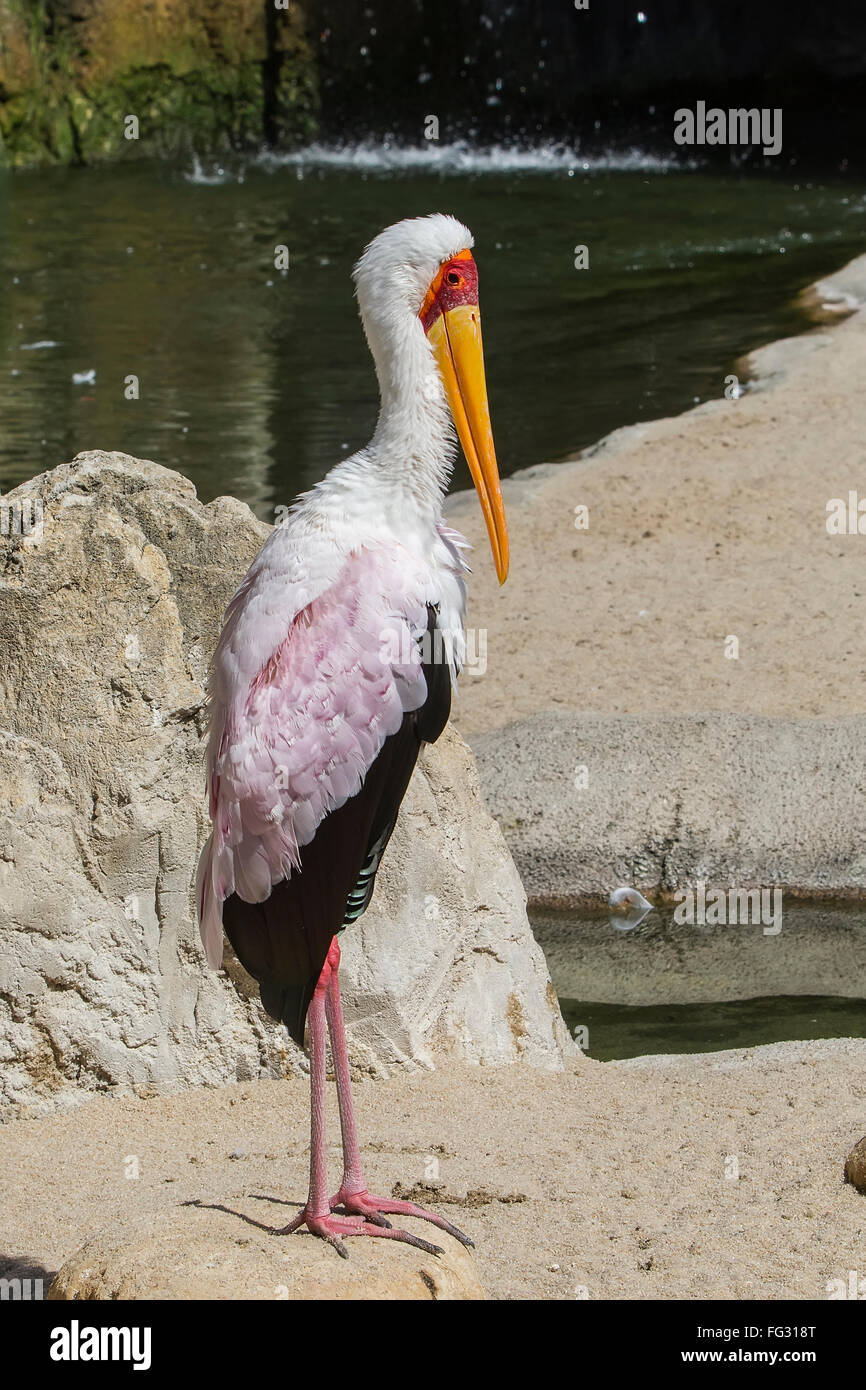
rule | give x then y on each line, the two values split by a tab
589	801
212	1252
107	623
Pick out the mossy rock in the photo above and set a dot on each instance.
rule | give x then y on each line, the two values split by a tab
202	75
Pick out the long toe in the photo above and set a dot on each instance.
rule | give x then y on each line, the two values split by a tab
335	1229
364	1204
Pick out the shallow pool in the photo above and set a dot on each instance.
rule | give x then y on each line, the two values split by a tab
663	986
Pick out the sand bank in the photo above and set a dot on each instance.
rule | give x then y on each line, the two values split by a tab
696	654
605	1181
702	526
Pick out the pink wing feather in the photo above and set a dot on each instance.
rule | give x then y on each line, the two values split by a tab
308	681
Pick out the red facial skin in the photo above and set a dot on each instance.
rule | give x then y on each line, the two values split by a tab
456	283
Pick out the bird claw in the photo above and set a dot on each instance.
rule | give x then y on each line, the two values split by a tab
377	1219
371	1208
331	1227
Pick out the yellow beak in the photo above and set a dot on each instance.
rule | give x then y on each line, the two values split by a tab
456	339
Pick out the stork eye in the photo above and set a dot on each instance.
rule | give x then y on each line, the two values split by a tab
453	277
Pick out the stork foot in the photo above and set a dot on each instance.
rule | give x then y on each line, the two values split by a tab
375	1209
331	1228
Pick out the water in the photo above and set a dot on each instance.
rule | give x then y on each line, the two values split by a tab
255	382
617	1030
664	987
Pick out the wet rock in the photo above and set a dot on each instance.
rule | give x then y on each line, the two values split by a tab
207	75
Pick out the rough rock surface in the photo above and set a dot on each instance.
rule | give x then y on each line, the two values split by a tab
229	1251
668	800
107	622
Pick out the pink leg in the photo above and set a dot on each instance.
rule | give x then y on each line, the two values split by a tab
353	1195
317	1215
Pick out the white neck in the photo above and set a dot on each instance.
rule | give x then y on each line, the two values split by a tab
413	448
395	486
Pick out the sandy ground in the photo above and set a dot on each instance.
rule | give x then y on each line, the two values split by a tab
607	1181
701	526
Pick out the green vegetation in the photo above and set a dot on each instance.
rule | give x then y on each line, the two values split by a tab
203	75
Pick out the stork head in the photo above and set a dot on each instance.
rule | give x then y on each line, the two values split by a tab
418	280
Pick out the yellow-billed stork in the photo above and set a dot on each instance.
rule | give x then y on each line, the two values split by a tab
335	665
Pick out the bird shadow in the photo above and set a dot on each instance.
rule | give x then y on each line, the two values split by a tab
242	1216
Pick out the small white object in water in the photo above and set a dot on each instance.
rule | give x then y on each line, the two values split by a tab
630	908
87	378
624	898
37	347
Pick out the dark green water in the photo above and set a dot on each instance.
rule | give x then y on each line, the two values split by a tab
617	1030
256	382
665	987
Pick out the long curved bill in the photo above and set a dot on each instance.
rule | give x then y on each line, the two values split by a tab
456	340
